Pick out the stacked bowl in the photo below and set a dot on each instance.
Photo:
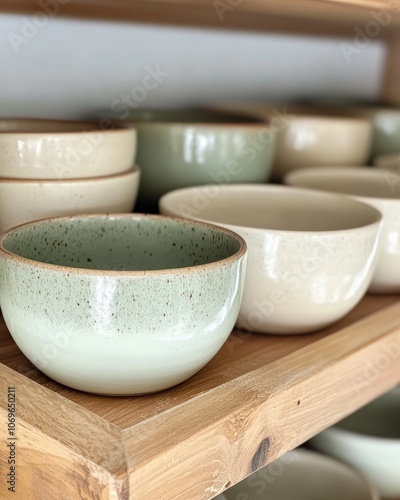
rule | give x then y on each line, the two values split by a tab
50	168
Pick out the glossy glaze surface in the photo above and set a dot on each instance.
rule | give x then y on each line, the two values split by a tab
369	440
123	304
302	475
50	149
379	189
27	200
311	255
177	149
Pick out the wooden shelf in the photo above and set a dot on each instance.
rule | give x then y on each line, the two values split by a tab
321	17
259	397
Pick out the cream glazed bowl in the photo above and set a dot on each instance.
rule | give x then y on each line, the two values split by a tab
25	200
378	188
120	304
311	255
55	149
303	475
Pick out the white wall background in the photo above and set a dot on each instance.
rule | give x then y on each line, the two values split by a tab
70	68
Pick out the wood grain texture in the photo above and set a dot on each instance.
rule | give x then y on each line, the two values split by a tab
259	397
320	17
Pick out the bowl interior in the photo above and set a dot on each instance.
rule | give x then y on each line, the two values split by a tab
111	243
271	207
367	182
381	418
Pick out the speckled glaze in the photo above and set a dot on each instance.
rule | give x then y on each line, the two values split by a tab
302	475
50	149
369	440
187	148
120	304
23	200
311	255
378	188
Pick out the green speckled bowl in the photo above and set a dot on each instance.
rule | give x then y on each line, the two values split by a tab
120	304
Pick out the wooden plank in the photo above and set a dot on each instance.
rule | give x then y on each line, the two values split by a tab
391	78
259	397
250	421
318	17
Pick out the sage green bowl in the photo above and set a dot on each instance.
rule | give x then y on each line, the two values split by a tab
186	148
120	304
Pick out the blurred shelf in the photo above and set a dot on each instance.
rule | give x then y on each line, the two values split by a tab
321	17
361	21
259	397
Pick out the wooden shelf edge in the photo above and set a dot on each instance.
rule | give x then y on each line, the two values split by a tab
249	422
57	433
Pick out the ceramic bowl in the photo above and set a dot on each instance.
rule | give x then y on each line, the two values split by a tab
303	475
301	274
369	440
24	200
386	126
307	136
50	149
379	189
120	304
390	161
186	148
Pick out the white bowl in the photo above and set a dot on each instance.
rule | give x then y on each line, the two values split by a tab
51	149
301	275
369	440
25	200
378	188
303	475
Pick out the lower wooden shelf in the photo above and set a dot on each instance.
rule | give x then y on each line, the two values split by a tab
259	397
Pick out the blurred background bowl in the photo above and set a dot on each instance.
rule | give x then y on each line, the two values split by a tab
389	161
369	440
310	135
191	147
379	189
51	149
303	475
301	275
25	200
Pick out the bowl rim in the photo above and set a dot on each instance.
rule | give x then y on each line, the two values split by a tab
117	127
131	172
277	187
227	261
342	172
